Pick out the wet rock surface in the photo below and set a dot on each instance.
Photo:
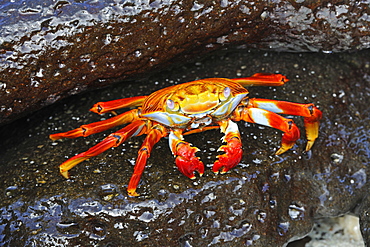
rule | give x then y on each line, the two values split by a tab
266	200
53	49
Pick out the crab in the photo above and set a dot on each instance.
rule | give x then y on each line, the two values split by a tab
195	107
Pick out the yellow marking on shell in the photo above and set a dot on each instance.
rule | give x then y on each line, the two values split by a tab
197	98
204	89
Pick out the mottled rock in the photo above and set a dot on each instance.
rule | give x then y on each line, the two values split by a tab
266	200
52	49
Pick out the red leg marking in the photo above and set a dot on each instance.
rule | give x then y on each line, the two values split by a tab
151	139
310	112
267	118
113	140
102	107
193	131
92	128
262	79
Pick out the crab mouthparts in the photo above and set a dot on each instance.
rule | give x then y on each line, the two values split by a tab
202	121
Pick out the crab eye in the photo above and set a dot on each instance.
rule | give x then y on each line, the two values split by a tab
170	104
227	92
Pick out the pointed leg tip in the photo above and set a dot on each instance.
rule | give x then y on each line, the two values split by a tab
284	148
193	174
309	145
65	174
220	170
279	152
53	137
132	193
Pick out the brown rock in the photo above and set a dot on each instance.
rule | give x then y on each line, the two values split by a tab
51	50
266	200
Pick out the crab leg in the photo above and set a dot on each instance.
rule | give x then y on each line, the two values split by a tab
271	119
151	139
186	161
262	79
233	148
193	131
102	107
311	114
92	128
113	140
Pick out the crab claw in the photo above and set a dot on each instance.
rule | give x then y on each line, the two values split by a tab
231	157
233	148
186	161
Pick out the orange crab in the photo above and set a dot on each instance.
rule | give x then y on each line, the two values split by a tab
194	107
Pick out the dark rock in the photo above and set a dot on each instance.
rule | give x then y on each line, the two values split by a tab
50	50
267	200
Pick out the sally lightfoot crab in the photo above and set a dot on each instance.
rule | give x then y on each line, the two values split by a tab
195	107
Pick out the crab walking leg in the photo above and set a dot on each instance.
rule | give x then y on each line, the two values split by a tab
310	112
186	161
268	118
113	140
151	139
193	131
102	107
262	79
92	128
233	148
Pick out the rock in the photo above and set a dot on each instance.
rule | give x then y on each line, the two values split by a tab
266	200
50	50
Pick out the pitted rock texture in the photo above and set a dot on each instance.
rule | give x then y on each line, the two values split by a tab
266	200
52	49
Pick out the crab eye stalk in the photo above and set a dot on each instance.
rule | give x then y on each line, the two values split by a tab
225	94
171	105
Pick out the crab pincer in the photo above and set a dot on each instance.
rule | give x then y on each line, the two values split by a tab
186	161
233	148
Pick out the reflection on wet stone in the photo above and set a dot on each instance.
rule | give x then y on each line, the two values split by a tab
296	212
108	192
68	228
